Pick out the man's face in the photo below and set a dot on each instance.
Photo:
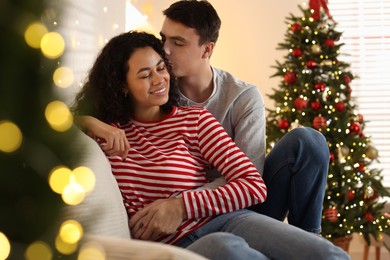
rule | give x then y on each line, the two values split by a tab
181	44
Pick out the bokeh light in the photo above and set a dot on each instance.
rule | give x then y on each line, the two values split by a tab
59	177
52	45
63	77
5	247
38	250
85	177
73	193
34	33
92	250
65	248
71	231
58	116
10	136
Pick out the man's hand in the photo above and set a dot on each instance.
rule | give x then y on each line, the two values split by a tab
116	141
162	217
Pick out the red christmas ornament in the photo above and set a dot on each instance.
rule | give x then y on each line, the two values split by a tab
329	43
283	124
361	167
368	216
351	195
355	128
340	106
311	64
347	79
320	86
300	103
290	77
331	157
296	27
296	52
315	105
331	214
349	89
319	122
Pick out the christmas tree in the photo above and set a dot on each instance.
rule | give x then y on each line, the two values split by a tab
316	92
36	135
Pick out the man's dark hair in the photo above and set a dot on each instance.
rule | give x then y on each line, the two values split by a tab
199	15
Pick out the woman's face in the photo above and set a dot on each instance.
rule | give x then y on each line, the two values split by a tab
147	79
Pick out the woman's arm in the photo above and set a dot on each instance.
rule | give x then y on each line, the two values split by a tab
244	187
115	139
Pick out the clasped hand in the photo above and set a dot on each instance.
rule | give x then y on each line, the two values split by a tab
161	217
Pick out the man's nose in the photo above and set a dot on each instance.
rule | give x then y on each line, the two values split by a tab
166	49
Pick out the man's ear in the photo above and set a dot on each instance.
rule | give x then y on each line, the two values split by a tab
208	49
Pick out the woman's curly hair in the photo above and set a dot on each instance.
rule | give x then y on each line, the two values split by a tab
102	95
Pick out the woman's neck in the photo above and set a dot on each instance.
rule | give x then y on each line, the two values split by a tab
149	115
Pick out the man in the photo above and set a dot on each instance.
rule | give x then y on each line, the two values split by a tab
295	171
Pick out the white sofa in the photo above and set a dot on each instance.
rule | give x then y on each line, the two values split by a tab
103	214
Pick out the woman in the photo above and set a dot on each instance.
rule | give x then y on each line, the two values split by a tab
171	147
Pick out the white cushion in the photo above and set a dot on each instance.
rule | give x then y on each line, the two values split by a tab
102	212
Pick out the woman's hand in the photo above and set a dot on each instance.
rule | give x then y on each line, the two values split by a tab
161	217
116	141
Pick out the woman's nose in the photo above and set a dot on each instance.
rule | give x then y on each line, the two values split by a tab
157	79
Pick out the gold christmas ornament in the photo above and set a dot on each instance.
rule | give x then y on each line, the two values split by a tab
326	63
372	153
315	48
344	150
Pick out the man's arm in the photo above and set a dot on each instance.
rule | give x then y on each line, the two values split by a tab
248	123
116	141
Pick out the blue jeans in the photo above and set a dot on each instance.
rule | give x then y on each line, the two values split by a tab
244	234
295	172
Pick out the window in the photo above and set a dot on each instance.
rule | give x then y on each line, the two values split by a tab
366	35
86	26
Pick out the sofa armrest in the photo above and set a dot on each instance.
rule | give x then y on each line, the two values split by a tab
116	248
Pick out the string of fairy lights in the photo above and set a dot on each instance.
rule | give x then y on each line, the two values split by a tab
350	159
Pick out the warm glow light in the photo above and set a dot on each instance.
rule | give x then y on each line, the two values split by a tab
73	193
65	248
85	177
92	250
59	178
52	45
5	247
58	116
71	231
10	136
38	250
63	77
34	33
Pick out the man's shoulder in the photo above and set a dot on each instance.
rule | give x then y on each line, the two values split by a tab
232	88
224	78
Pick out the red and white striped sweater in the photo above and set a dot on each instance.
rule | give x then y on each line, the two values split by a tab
169	158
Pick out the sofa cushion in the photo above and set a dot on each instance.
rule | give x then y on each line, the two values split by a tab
102	212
